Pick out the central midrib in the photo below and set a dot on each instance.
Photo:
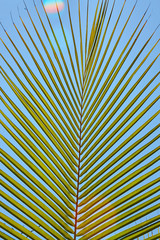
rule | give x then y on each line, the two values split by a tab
79	161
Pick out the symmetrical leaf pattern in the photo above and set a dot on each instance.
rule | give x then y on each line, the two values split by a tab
80	143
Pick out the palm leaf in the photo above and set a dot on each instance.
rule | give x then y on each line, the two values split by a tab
80	130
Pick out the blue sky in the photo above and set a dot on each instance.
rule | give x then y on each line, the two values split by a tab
8	6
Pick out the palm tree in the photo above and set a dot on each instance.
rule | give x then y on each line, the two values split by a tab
80	155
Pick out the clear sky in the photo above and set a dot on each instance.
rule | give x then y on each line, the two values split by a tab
10	6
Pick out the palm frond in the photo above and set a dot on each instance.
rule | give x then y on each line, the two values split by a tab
80	124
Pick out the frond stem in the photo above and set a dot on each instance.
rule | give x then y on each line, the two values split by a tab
79	159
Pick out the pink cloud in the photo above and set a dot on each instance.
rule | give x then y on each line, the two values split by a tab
52	7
